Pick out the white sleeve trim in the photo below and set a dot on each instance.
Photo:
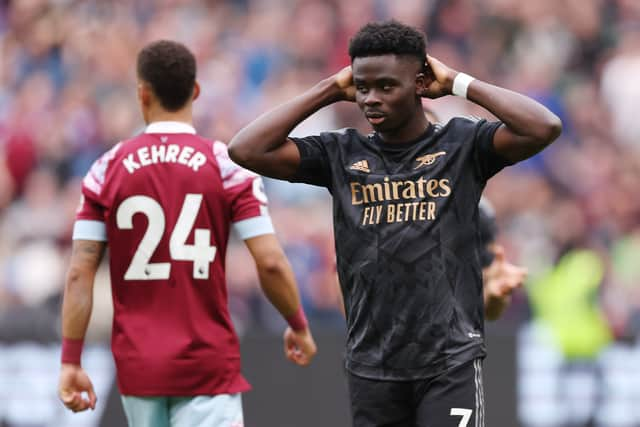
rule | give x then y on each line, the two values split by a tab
85	229
253	227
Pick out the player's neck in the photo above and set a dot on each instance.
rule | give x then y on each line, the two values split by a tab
411	131
183	115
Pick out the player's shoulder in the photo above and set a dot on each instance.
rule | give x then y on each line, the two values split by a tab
96	176
464	121
345	133
328	138
106	158
230	172
460	126
220	152
348	136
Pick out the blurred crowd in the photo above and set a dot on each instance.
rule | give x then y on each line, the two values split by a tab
67	93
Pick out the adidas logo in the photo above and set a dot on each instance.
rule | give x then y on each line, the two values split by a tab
362	166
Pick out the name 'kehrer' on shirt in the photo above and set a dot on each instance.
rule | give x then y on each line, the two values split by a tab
170	153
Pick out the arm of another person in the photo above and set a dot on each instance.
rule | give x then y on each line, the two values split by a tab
263	145
528	126
279	285
76	312
500	279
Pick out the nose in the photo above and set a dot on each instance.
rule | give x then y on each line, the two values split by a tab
371	98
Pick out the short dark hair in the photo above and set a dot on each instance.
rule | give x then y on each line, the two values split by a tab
388	37
170	68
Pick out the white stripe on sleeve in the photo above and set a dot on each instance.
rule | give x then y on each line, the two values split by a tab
253	227
85	229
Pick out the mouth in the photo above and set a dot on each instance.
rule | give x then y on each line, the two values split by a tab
375	118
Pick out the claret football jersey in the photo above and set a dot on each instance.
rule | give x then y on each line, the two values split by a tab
164	202
406	233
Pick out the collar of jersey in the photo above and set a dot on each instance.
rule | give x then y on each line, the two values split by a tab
170	127
401	146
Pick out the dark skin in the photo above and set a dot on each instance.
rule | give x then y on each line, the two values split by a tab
388	88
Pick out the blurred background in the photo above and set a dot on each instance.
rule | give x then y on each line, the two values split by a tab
564	354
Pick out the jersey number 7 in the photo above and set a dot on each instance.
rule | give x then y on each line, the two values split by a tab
201	252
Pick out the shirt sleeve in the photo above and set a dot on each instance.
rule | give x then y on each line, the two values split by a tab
244	191
314	166
249	212
90	216
89	223
487	161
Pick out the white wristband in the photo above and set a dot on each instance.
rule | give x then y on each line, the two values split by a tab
461	84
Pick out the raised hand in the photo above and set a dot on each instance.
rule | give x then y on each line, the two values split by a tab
344	81
74	381
299	347
438	79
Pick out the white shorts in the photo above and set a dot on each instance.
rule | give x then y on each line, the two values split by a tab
223	410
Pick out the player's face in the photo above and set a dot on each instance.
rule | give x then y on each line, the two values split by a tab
387	91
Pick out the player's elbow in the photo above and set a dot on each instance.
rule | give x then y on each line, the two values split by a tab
273	264
74	275
549	130
237	154
240	152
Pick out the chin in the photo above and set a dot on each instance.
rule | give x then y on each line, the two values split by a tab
383	127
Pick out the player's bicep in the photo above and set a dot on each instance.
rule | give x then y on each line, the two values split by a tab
514	147
280	163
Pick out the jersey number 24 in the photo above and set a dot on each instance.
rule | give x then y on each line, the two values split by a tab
201	252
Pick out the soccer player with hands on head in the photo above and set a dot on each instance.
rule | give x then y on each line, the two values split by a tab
405	204
164	202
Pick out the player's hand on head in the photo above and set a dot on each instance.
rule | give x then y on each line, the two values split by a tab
299	346
438	79
75	388
344	81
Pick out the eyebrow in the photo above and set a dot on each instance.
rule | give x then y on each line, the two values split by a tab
383	79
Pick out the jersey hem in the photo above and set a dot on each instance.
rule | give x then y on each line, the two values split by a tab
383	374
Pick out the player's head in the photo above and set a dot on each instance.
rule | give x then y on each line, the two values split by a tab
166	76
388	60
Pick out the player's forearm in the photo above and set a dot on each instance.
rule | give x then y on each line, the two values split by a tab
77	303
86	256
279	285
521	114
250	146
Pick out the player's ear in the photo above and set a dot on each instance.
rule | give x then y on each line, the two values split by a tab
420	84
144	94
196	91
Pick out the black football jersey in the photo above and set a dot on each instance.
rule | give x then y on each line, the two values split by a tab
407	241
